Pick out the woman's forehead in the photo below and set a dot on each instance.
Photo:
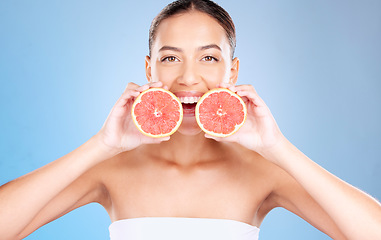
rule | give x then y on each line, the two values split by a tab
190	30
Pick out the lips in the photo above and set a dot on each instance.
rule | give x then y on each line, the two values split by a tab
189	101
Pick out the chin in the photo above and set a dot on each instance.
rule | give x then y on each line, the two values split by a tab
189	132
189	127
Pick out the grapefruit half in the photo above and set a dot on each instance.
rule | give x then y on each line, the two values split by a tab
220	112
157	112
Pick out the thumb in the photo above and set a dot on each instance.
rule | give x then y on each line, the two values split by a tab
218	139
221	139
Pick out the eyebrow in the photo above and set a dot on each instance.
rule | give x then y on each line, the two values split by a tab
199	49
209	46
170	48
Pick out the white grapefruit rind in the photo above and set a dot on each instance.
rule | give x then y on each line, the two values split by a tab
237	127
138	100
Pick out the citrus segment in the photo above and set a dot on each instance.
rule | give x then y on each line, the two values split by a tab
157	112
220	112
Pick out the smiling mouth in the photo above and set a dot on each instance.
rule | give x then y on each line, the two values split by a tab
189	105
189	101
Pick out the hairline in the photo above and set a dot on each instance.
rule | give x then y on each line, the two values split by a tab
153	33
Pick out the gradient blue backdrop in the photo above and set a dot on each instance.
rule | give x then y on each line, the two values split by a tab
317	64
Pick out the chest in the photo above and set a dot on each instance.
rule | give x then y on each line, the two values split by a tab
216	190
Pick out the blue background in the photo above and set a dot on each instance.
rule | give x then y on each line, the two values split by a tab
317	64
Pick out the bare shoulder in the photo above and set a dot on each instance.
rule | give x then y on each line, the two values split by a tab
260	169
114	175
277	188
289	194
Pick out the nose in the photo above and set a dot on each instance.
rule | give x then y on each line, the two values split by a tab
189	75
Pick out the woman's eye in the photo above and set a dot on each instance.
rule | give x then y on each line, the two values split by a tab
169	59
210	59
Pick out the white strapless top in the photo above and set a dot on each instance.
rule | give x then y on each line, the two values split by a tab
175	228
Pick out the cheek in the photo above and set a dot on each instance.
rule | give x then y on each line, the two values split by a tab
215	75
165	75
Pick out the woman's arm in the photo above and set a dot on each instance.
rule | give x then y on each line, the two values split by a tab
356	214
51	191
22	199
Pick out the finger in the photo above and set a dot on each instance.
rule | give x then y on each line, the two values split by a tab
246	87
143	88
150	85
221	139
132	86
248	91
151	140
159	140
127	96
156	84
252	97
218	139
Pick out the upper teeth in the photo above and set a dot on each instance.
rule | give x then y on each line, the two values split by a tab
189	99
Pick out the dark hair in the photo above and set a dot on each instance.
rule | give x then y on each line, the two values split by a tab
206	6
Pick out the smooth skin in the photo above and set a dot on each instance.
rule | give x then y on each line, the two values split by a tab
189	174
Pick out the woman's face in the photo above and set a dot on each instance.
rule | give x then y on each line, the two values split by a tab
191	55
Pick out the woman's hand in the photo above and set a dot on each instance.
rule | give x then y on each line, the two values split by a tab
119	133
260	132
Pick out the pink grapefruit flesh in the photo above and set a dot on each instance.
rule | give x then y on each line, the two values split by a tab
220	112
157	112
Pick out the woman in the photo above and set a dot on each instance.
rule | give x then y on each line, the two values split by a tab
189	185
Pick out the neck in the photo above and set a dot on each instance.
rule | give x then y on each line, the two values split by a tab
186	150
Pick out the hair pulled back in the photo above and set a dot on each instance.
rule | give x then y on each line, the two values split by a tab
205	6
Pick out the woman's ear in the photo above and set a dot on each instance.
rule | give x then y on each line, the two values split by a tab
148	69
234	71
